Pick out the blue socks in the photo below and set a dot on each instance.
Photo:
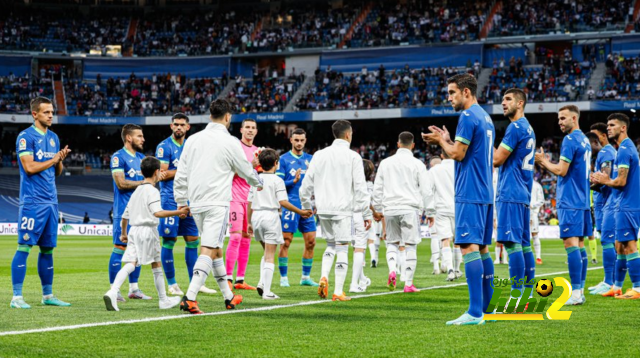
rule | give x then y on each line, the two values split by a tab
621	270
609	262
529	266
166	256
516	264
474	271
487	278
191	256
135	275
633	265
585	265
306	267
45	269
283	266
19	268
114	263
575	266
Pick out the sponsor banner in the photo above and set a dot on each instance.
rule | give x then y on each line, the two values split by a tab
614	105
545	107
101	120
357	114
11	229
20	118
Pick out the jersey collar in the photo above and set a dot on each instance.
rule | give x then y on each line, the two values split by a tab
128	152
175	142
294	155
38	129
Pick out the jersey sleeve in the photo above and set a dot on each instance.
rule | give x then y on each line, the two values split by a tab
153	201
281	191
568	149
163	153
464	132
624	158
282	169
510	139
117	163
24	145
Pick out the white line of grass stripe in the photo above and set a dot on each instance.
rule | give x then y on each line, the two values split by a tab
220	313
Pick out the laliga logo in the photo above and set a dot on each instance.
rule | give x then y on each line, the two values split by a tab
535	306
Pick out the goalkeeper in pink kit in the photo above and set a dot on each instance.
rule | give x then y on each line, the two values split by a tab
239	239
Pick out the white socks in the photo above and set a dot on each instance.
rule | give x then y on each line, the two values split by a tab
327	260
392	257
122	275
158	279
457	258
435	253
133	286
358	261
497	252
537	247
373	252
260	282
220	273
342	265
504	254
267	277
447	259
200	273
410	264
402	256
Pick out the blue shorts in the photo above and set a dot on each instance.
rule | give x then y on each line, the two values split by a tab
174	226
38	225
608	233
575	223
291	222
513	223
117	231
474	223
598	210
627	225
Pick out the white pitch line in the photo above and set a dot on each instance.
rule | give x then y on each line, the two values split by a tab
220	313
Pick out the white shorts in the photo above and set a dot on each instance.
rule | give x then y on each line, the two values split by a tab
267	227
535	224
444	227
143	246
360	238
212	226
337	229
404	229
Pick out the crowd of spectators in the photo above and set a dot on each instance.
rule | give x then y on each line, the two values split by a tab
268	91
161	94
520	17
622	80
379	88
16	92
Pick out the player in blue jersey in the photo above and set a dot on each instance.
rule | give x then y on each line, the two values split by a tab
293	166
40	162
473	153
574	211
125	170
168	152
605	156
627	211
515	157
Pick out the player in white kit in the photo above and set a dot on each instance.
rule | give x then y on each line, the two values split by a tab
143	240
264	219
400	192
537	201
336	178
441	215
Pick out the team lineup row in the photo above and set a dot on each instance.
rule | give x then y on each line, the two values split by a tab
210	181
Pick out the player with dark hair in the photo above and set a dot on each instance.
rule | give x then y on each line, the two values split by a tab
293	167
603	209
574	212
168	152
627	206
40	162
473	153
515	157
125	170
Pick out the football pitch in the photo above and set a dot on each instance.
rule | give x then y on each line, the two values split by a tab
376	323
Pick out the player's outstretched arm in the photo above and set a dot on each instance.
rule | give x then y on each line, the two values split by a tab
124	184
303	213
182	212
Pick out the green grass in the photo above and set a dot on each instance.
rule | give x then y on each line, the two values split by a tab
386	325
